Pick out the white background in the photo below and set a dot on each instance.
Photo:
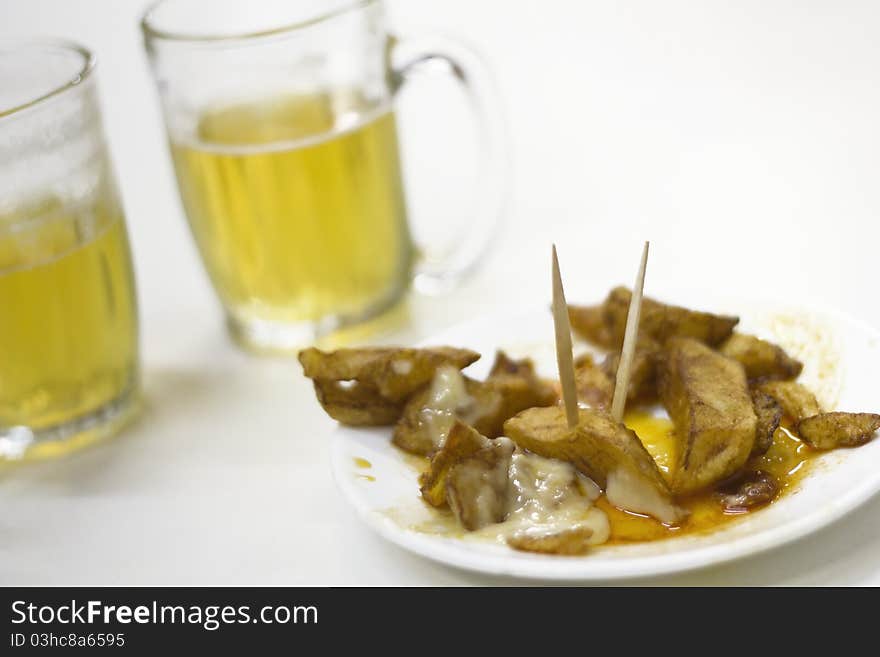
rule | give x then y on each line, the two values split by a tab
741	138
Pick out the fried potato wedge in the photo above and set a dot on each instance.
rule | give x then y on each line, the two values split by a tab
499	398
504	364
830	430
485	405
642	375
476	487
570	541
769	414
356	404
595	447
596	324
461	443
594	387
604	325
796	401
600	448
585	360
707	398
761	359
431	412
396	372
512	386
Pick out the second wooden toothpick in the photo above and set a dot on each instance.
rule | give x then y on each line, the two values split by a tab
564	357
621	385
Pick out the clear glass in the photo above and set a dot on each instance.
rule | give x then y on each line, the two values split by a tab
68	315
282	131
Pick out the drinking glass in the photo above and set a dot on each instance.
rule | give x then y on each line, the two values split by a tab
282	131
68	316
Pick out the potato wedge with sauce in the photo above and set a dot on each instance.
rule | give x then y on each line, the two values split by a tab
796	401
461	443
476	487
469	473
396	372
707	397
485	405
369	387
607	452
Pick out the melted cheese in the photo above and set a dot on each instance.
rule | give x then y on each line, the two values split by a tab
402	366
546	497
448	397
626	490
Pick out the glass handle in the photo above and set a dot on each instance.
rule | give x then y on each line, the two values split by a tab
429	54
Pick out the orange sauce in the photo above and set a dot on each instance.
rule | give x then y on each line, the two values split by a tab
788	459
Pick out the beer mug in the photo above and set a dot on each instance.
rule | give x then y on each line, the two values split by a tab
68	315
281	123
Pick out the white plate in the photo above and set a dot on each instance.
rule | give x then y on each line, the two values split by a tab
842	358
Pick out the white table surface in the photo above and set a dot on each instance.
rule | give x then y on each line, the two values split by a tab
742	140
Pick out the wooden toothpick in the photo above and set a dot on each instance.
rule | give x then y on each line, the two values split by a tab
630	336
564	358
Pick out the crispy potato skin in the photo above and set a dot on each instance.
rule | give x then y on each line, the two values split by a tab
476	487
573	541
412	432
796	401
593	385
769	414
707	397
501	398
595	447
504	364
831	430
643	374
461	443
369	387
605	325
511	387
357	405
396	372
489	402
590	323
762	360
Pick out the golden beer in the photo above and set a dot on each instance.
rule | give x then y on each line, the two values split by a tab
284	141
297	206
68	319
